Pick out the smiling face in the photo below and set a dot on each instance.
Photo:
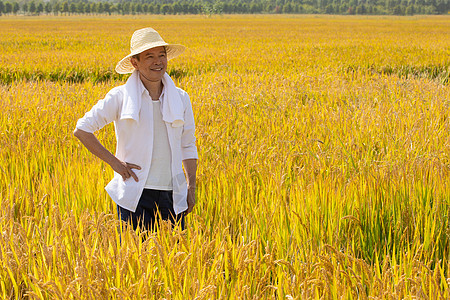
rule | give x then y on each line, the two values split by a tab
151	64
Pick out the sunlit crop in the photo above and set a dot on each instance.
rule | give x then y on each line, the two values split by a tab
324	163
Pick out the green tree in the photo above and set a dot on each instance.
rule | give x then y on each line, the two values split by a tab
56	8
360	10
397	10
72	8
32	8
87	8
15	7
93	8
8	7
329	9
126	8
177	9
151	8
185	7
442	6
430	10
287	8
244	8
119	8
100	8
80	8
218	8
409	10
114	8
107	8
40	8
157	8
138	8
48	7
65	7
253	8
165	9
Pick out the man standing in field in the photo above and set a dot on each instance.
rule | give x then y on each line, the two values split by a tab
154	126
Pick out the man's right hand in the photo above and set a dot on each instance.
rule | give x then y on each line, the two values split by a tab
125	169
92	144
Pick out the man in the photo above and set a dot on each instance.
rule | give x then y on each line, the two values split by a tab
154	126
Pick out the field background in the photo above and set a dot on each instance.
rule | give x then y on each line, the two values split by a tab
323	171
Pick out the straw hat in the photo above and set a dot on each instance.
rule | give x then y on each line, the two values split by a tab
144	39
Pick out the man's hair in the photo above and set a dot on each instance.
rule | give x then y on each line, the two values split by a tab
137	56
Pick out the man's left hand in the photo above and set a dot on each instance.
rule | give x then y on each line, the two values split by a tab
190	200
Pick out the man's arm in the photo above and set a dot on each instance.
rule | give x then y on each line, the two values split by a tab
190	166
91	142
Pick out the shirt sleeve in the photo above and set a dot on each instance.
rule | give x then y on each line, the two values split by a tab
188	146
101	114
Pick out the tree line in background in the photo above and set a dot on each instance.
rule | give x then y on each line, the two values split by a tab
165	7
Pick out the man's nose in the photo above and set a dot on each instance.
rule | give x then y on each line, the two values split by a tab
157	60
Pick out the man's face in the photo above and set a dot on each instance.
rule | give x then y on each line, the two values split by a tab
152	63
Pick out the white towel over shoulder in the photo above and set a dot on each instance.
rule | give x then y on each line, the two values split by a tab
171	104
172	108
131	104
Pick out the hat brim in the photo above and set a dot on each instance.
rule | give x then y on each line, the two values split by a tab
124	66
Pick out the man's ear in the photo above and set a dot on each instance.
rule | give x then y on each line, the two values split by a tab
133	62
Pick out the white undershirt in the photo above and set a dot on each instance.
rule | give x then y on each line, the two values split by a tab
160	174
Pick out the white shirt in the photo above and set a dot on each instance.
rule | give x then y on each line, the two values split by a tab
135	142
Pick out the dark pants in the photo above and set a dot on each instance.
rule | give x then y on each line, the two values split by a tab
153	204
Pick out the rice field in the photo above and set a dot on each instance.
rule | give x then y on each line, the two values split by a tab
323	171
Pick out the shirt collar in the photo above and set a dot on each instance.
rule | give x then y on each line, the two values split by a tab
143	90
141	87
